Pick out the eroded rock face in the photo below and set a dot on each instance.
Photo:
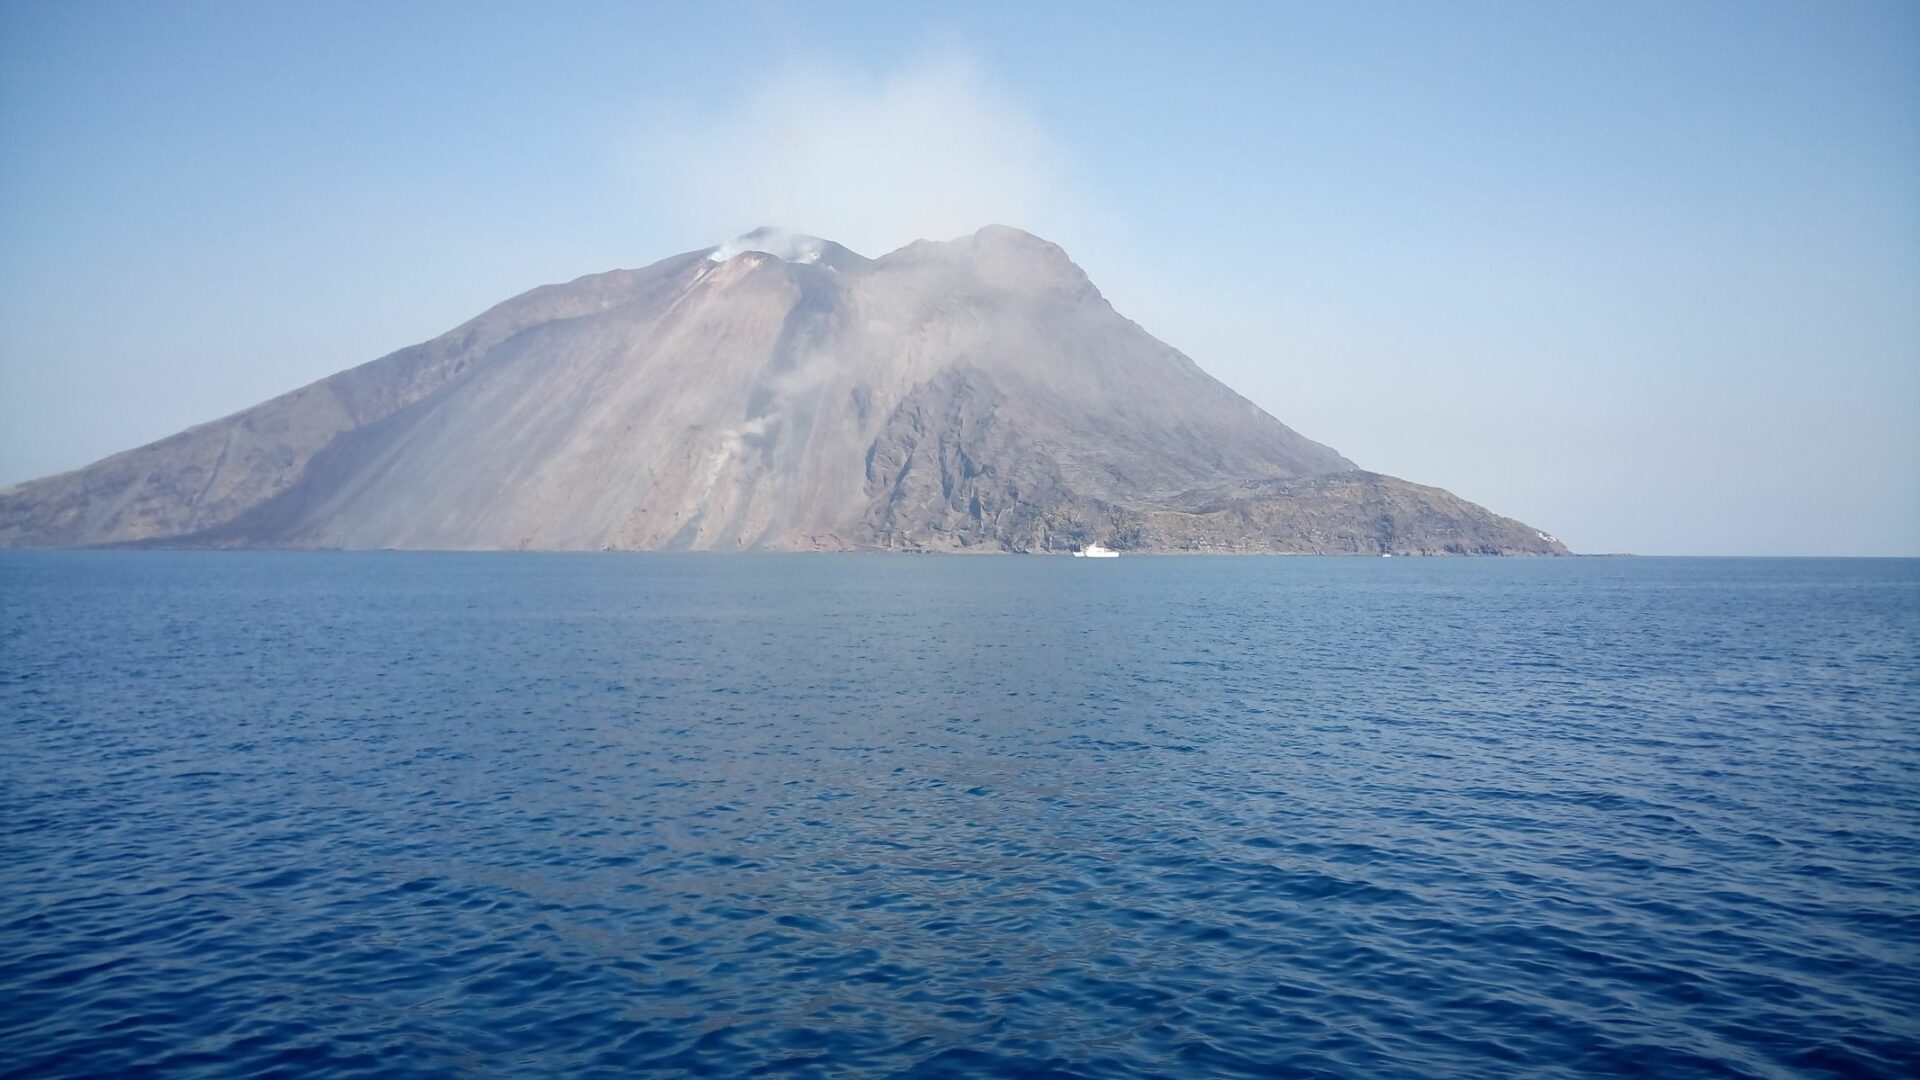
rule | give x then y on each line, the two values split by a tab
780	392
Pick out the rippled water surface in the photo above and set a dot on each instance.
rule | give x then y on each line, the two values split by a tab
337	814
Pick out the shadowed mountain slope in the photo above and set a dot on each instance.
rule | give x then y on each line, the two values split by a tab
779	392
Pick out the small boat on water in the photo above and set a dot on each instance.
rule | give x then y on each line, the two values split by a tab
1096	550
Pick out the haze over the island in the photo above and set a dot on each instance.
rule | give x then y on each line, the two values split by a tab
1660	300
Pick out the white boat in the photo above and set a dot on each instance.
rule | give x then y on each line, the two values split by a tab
1096	550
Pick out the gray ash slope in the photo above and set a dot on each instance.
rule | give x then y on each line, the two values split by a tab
778	393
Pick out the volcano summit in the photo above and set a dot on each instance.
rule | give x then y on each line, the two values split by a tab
778	392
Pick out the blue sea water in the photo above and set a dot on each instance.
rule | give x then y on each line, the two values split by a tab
328	814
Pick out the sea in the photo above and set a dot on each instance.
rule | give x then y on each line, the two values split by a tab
328	814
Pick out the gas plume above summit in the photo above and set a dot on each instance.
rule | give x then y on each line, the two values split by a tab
776	392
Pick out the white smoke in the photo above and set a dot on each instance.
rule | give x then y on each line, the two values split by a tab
779	243
929	151
786	393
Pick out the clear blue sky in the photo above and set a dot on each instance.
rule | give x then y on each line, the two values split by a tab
1644	274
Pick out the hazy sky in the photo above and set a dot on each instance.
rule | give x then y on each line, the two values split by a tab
1646	275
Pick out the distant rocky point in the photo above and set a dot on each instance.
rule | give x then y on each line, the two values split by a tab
779	392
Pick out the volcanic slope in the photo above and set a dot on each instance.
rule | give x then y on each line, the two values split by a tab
780	392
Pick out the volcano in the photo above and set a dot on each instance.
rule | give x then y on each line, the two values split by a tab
778	392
